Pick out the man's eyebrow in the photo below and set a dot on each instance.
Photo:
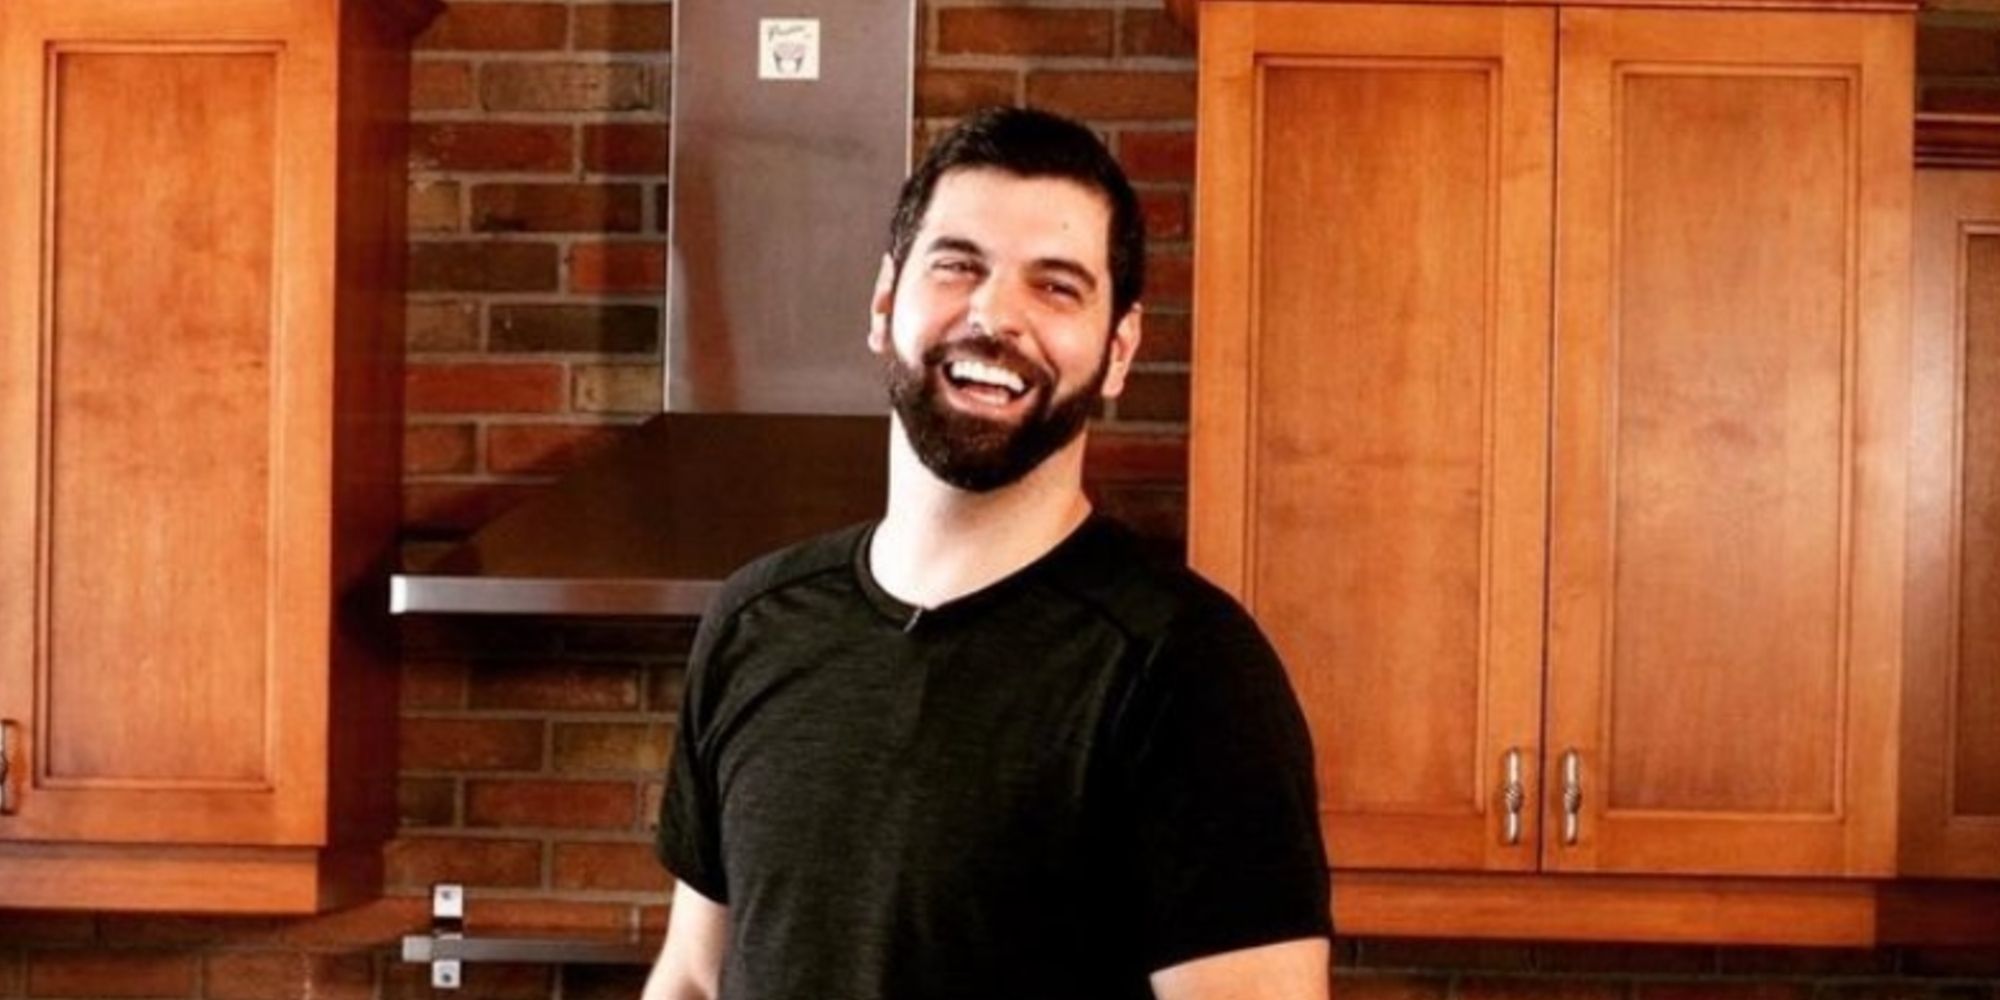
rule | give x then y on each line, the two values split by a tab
955	244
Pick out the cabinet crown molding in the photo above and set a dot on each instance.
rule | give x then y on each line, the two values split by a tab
1187	13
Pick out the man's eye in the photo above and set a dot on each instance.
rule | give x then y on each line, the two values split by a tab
1063	291
951	266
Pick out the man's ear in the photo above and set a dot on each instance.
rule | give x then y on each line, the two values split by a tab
1124	347
879	305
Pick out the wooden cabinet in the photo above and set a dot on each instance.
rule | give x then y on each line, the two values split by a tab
200	342
1951	735
1549	393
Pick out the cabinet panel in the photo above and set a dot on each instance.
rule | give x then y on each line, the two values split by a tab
1727	492
1951	746
155	637
1386	527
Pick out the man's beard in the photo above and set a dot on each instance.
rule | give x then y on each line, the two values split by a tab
972	452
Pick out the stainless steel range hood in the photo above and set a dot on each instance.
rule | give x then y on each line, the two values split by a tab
791	130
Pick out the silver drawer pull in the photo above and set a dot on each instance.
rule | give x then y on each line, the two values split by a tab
1572	797
1513	797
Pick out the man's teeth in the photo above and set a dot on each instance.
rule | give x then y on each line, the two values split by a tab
985	374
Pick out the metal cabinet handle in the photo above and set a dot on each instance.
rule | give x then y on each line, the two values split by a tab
1572	797
1513	796
6	767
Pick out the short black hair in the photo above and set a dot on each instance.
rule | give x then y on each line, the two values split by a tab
1028	143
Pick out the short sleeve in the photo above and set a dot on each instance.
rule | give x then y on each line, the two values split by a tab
690	833
1223	811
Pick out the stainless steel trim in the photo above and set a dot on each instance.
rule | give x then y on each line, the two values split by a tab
549	950
1513	796
1572	797
416	593
6	767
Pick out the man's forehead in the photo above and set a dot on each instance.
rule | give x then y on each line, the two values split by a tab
982	203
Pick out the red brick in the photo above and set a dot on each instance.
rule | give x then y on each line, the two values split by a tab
1807	961
626	147
420	861
485	980
606	805
1162	156
26	927
542	86
1167	336
10	974
1369	986
1957	50
470	744
433	207
1155	397
508	146
440	85
557	686
483	267
150	930
546	915
1118	96
1961	99
283	975
106	973
1169	279
1166	214
618	267
619	867
441	326
1016	31
1152	33
1710	989
433	683
576	329
1534	988
426	802
483	388
1639	958
624	27
545	448
460	507
497	27
595	747
437	448
1136	458
953	92
376	923
1405	953
557	208
1959	961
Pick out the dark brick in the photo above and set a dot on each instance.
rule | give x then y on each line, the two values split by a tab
624	27
483	267
542	86
426	802
626	147
557	686
557	208
509	27
470	744
508	146
953	92
579	329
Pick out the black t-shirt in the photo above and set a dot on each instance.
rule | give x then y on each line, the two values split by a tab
1090	770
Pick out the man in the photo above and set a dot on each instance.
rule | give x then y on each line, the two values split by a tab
981	748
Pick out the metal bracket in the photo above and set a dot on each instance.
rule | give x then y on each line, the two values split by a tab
446	948
447	925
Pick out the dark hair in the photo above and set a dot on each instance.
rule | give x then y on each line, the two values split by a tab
1030	144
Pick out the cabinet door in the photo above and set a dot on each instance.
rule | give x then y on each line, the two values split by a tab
163	413
1369	450
1951	720
1727	506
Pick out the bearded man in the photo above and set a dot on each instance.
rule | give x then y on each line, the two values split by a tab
984	747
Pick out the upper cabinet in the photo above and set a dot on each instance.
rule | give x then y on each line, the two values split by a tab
1549	412
1951	736
200	342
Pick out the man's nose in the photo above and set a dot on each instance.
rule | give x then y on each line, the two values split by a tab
998	307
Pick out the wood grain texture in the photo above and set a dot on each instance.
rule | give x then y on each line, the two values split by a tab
1725	550
1951	719
1391	366
201	364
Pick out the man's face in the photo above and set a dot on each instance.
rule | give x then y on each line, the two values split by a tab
996	334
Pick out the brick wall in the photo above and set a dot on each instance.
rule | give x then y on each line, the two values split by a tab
532	748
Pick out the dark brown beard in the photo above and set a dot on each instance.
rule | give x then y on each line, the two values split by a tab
973	453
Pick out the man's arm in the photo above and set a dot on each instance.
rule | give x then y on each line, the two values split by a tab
690	965
1288	970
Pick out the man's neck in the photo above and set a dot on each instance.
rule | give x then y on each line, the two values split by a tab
938	543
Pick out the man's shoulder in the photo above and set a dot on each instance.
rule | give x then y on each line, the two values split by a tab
792	565
1148	590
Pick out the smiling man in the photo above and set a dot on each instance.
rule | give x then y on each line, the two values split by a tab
984	747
